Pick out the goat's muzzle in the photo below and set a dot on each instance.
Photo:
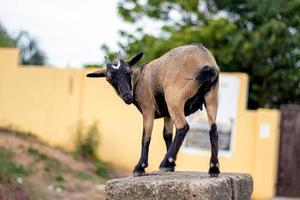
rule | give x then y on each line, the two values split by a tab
127	98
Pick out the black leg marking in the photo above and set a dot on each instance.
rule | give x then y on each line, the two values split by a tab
139	169
168	163
214	162
168	138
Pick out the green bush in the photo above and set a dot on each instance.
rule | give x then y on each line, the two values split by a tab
86	141
101	170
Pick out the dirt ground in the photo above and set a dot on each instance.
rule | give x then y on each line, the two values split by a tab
54	173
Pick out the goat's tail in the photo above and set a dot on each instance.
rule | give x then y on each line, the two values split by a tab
207	77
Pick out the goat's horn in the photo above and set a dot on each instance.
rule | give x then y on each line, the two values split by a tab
107	60
120	55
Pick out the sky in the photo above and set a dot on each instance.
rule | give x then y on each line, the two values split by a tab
69	31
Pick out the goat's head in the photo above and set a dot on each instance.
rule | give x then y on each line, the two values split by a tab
119	75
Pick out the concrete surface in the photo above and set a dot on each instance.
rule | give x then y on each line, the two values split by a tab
181	186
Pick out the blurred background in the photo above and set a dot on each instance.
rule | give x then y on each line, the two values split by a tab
63	136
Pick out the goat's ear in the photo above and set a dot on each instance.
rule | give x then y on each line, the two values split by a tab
135	59
97	74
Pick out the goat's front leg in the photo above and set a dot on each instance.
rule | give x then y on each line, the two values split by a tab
168	131
148	119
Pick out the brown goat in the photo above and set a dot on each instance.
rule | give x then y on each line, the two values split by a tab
173	86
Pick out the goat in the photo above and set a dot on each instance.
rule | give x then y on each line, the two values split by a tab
173	86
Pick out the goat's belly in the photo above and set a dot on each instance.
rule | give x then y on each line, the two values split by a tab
191	105
162	108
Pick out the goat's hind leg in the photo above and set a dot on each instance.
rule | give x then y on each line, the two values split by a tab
211	105
177	114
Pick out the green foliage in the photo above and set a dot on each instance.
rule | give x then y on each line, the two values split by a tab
86	144
93	66
109	54
86	141
169	11
30	51
100	169
31	54
268	49
5	39
259	37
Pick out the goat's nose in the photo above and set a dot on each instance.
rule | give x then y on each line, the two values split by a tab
128	98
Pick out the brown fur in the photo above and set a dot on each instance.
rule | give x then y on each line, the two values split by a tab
174	74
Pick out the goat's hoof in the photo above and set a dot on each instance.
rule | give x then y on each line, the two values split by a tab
139	170
167	166
138	173
214	171
165	169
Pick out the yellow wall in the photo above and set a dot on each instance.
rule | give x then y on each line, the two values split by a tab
49	102
266	154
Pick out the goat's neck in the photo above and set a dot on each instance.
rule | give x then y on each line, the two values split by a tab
136	78
137	73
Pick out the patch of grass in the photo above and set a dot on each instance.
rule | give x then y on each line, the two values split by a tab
100	169
83	175
52	165
34	192
10	172
9	168
18	133
37	154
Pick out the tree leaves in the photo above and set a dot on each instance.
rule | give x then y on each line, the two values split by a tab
31	54
259	37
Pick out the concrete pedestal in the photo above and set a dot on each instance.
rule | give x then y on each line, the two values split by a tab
181	185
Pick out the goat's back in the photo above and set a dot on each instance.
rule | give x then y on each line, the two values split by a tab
179	66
